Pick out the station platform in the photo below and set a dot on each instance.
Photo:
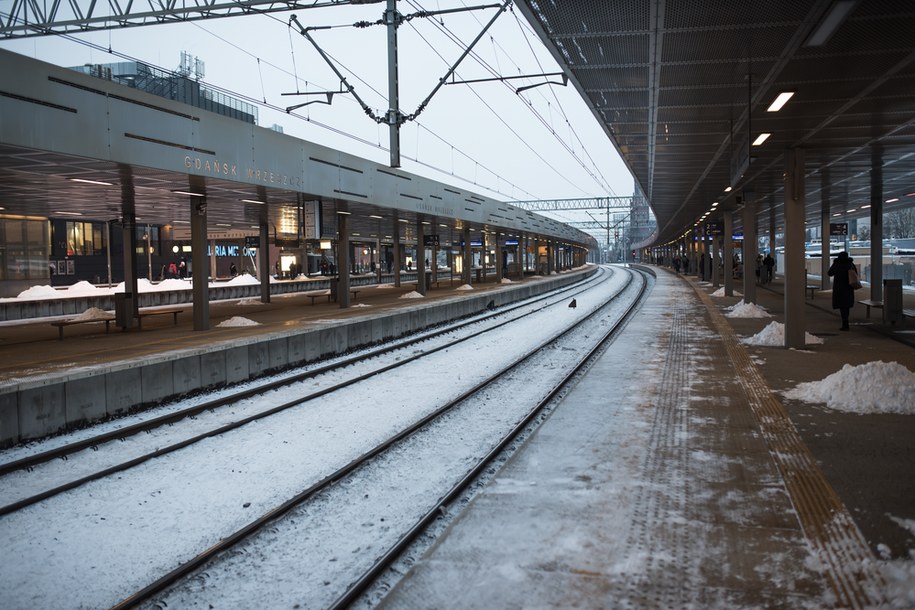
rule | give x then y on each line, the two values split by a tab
33	347
675	475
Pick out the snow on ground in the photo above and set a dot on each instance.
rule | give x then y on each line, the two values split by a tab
746	310
412	295
237	321
774	335
874	387
464	287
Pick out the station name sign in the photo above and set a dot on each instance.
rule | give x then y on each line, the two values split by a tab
213	167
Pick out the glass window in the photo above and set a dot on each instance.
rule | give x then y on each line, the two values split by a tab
25	249
85	239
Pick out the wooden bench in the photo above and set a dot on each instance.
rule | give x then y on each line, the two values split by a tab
812	290
316	294
61	323
156	312
869	303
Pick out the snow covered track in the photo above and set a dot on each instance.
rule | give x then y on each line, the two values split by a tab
10	501
160	513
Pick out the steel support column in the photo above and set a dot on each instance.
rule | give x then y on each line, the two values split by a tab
795	218
343	251
824	231
750	249
875	277
728	254
199	260
420	257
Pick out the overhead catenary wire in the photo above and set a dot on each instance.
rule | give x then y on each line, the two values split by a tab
496	73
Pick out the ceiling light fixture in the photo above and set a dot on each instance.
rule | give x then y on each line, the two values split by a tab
893	200
84	181
727	189
343	212
254	201
68	213
761	138
780	100
188	193
864	207
830	23
714	203
375	216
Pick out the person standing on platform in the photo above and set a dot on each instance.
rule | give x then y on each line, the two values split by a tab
769	265
843	294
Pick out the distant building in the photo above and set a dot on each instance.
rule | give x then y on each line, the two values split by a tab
177	86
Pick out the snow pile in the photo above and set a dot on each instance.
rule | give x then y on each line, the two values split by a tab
361	305
244	279
746	310
144	285
93	313
774	334
720	293
464	287
505	280
874	387
237	321
82	287
411	295
38	292
250	301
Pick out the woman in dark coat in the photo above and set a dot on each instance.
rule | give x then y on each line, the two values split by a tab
843	295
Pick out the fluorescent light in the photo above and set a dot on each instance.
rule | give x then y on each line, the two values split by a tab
851	210
893	200
836	214
375	216
780	100
84	181
254	201
188	193
714	204
830	23
761	138
344	212
864	207
727	189
67	213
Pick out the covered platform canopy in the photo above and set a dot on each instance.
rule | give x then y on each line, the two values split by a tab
687	91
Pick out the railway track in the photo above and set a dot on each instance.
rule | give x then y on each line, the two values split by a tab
375	361
341	478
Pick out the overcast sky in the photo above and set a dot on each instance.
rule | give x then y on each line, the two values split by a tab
541	144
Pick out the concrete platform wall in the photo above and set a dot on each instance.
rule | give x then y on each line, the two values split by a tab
40	407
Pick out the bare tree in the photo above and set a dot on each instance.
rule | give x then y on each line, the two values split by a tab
899	224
